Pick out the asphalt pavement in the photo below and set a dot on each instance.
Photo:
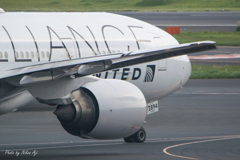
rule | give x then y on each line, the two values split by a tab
224	55
199	121
190	21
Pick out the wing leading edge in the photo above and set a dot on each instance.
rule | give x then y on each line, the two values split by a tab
91	65
163	53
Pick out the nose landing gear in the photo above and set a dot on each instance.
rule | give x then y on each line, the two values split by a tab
138	137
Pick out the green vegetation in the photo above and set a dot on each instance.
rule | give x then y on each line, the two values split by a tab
221	38
120	5
214	72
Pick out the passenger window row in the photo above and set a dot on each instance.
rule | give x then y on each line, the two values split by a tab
32	55
3	55
25	55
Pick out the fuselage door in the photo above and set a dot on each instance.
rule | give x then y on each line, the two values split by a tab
162	64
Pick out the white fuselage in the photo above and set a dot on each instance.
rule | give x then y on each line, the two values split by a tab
28	39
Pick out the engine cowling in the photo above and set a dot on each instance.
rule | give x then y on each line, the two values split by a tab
105	109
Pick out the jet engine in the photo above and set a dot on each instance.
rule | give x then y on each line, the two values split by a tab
104	109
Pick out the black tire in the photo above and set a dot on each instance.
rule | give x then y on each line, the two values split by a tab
128	139
139	136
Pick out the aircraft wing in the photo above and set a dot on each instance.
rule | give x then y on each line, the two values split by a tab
90	65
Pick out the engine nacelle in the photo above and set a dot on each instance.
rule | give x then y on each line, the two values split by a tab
105	109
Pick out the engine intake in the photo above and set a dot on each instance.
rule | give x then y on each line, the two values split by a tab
79	117
104	109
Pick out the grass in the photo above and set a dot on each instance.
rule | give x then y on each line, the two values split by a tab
214	72
120	5
221	38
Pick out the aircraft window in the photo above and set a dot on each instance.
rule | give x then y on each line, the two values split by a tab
43	55
104	52
21	54
113	51
37	54
27	55
16	54
118	51
1	56
48	54
109	52
6	55
32	55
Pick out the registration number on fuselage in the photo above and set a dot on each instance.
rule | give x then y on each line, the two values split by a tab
152	107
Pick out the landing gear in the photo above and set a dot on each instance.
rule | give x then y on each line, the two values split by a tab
138	137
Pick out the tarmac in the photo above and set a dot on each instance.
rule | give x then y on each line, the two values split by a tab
199	121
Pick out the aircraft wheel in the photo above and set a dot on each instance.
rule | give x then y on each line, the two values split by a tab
139	136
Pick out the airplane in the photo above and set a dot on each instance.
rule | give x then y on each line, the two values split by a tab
103	72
